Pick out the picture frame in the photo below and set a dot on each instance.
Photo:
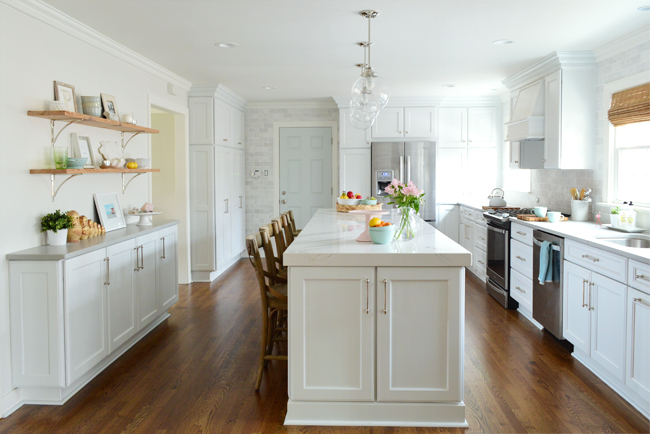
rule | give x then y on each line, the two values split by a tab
109	211
82	148
110	107
65	92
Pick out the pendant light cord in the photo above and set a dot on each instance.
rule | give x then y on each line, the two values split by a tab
369	43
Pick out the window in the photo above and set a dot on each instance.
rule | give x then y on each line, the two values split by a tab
632	163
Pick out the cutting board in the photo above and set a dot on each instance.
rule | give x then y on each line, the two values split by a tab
534	218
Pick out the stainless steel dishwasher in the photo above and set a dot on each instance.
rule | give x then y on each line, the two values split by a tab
548	298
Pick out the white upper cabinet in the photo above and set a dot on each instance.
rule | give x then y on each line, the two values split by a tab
420	122
349	136
514	156
201	121
355	171
237	128
223	123
553	120
482	126
453	128
389	123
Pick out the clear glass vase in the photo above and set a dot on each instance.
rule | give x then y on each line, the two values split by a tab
408	225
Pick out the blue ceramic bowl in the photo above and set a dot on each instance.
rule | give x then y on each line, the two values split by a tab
368	202
382	235
76	163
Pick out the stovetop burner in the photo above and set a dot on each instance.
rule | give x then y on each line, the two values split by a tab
503	215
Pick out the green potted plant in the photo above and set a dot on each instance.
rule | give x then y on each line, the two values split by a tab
56	225
614	217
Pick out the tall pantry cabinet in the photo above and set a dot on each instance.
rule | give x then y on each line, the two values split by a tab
217	194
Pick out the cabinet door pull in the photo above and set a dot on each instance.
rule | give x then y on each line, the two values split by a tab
520	290
385	285
241	202
367	296
583	292
520	258
516	161
590	258
163	255
142	257
523	234
591	284
108	271
481	262
137	259
642	277
640	301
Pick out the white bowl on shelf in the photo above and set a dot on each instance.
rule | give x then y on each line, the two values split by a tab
349	201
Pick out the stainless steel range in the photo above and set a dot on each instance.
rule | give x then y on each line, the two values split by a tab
498	254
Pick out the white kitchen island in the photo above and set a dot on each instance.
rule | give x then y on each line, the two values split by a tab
376	332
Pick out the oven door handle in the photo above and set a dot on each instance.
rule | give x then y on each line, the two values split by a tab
501	231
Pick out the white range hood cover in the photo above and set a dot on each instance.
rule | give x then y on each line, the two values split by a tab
527	120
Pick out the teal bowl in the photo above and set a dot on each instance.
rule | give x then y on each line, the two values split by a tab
76	163
382	235
368	202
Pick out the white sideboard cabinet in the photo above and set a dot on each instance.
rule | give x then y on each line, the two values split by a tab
76	309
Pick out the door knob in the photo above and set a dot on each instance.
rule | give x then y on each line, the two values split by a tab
283	201
283	193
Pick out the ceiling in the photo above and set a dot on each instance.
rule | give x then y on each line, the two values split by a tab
307	48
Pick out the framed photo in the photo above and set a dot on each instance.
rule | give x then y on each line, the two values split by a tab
109	211
65	92
81	148
110	107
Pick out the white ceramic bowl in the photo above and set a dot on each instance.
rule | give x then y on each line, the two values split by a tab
143	163
349	201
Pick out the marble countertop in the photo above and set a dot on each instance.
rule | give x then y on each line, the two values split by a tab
70	250
329	240
589	233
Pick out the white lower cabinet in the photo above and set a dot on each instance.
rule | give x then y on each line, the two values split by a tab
521	289
637	375
447	220
70	316
417	360
577	316
357	330
86	339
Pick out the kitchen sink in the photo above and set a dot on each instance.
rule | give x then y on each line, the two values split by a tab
637	241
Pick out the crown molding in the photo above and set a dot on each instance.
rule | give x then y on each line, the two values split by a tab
220	92
623	44
66	24
462	101
549	64
398	101
321	103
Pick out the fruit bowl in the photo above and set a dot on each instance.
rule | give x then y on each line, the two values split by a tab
382	235
369	202
349	201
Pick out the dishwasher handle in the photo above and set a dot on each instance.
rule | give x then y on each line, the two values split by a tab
539	243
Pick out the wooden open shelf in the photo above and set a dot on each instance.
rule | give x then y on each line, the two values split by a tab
93	121
82	171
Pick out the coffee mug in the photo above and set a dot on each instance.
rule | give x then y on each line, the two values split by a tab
554	216
540	211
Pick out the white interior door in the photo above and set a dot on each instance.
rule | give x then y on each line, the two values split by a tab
305	171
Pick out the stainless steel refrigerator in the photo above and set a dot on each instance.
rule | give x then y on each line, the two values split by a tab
406	161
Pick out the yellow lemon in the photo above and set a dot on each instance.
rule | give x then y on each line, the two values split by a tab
132	165
374	222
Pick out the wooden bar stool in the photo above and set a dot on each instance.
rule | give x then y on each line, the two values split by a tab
274	307
280	240
273	263
286	227
292	221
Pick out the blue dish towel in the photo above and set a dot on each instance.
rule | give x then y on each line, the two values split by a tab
546	263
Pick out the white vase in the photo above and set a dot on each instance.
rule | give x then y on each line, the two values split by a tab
59	238
616	220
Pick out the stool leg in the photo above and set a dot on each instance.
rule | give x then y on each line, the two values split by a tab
265	334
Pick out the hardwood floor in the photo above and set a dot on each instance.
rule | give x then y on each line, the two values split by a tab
195	373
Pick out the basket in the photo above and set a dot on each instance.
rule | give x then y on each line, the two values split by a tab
348	208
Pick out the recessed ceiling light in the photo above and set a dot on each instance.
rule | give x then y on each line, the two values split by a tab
503	42
227	44
448	85
269	87
644	8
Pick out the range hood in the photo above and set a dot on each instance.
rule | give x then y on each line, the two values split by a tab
527	120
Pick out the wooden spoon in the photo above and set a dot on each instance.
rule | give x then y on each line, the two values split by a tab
574	194
582	194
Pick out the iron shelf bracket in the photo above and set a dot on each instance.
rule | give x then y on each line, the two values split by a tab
55	137
127	142
124	186
55	191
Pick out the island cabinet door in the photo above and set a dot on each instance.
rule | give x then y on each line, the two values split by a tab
332	340
420	316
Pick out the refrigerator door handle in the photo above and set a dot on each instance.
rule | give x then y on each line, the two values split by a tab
401	168
408	168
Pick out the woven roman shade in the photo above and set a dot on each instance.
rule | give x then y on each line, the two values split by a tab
630	106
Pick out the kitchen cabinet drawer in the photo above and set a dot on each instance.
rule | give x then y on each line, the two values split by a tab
480	262
605	263
639	276
480	237
480	219
521	289
521	258
522	233
468	213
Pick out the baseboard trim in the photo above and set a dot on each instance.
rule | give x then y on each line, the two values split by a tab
59	395
442	414
631	397
210	276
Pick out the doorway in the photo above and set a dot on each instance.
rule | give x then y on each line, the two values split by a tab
170	186
305	171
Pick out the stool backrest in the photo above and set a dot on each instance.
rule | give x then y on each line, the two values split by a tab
272	261
278	235
286	226
253	243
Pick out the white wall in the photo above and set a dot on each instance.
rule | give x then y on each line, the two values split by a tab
33	54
